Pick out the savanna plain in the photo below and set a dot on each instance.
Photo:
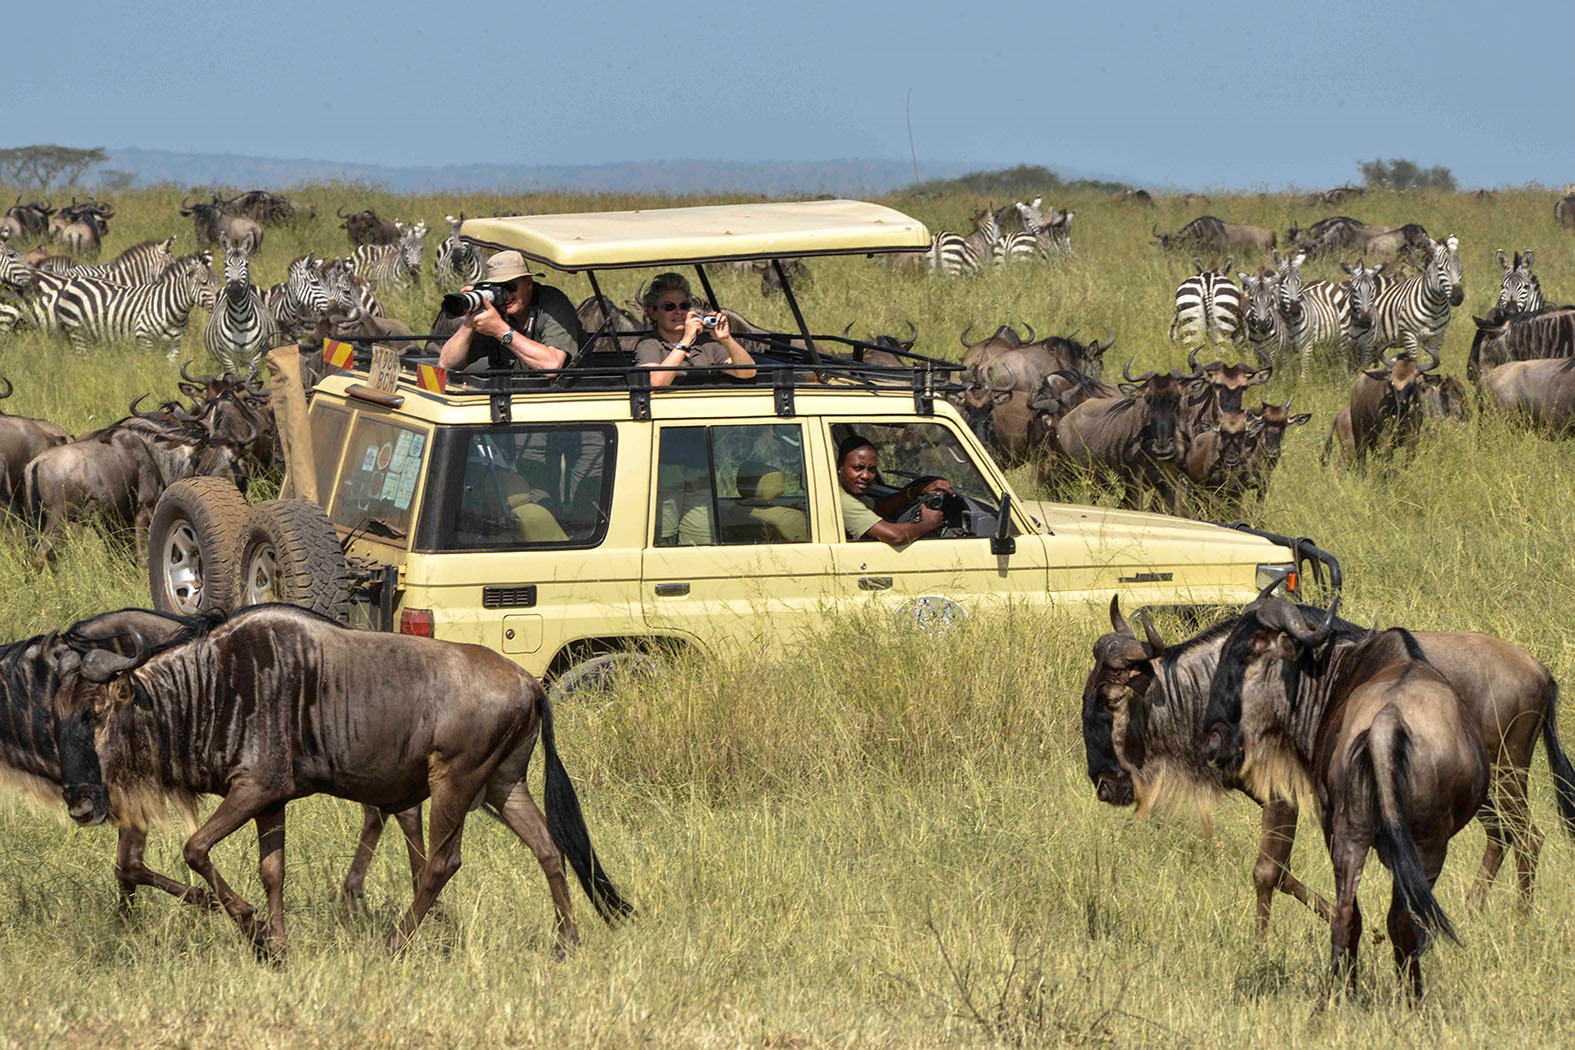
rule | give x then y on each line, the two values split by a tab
868	838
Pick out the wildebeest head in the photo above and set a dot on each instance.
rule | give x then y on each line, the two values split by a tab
977	403
1227	383
1518	285
1162	437
1405	383
1275	420
1122	673
1442	273
1269	631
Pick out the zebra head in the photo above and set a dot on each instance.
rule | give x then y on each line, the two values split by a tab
305	284
1291	284
194	273
14	270
984	223
1520	289
410	245
1364	291
339	282
237	261
1260	315
1442	276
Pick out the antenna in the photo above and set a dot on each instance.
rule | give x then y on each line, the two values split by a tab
908	110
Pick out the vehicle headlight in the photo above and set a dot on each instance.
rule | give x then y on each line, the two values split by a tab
1269	572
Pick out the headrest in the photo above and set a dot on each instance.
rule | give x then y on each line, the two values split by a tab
760	483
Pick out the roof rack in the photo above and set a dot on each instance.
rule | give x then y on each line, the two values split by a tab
780	365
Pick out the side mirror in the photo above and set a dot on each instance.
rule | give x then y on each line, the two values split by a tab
1003	542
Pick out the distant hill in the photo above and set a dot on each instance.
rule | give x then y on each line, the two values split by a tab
850	177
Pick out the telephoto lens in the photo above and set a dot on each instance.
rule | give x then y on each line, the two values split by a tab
463	304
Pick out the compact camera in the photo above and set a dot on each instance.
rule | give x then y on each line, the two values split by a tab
710	321
463	304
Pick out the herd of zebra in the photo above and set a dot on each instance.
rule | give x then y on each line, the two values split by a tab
147	294
1016	233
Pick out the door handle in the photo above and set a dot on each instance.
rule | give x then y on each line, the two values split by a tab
671	590
874	583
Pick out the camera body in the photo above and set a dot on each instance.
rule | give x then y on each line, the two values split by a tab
710	321
934	500
463	304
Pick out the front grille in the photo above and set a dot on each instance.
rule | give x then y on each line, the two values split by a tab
520	597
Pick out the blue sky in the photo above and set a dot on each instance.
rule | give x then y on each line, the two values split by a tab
1218	94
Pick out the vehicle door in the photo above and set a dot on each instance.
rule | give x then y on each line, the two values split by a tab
733	550
954	564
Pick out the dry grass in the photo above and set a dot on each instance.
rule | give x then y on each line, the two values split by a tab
877	839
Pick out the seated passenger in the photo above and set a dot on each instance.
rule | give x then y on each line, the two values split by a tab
680	337
862	517
536	329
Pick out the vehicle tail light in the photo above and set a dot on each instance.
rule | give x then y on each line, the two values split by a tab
416	621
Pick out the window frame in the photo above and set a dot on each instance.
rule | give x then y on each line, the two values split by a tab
812	527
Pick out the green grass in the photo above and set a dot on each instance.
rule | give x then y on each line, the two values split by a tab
876	839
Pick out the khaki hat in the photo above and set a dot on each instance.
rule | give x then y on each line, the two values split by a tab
509	266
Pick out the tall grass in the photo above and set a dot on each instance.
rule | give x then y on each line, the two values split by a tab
874	837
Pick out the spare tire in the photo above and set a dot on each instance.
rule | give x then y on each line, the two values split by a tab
193	546
289	552
599	674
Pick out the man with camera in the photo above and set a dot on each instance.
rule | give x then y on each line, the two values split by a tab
508	320
863	518
686	337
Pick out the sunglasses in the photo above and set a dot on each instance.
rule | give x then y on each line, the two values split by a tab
686	304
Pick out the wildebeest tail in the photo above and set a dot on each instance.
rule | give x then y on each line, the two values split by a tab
567	825
1558	761
1383	758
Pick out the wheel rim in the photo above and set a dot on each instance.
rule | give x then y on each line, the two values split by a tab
262	576
183	569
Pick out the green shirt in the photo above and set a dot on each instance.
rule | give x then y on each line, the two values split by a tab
858	514
556	326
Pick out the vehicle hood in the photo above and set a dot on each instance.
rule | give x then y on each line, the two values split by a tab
1153	537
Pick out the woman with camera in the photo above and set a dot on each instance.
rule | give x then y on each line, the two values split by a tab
685	337
508	320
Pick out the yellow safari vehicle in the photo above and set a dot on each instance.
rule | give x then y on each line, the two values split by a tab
579	519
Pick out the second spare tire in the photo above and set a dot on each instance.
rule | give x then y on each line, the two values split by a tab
290	553
192	546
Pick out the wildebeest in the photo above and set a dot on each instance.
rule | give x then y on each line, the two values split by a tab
1340	233
1265	454
1335	195
352	322
1143	705
883	350
270	209
1519	289
1564	210
22	438
1005	357
623	328
797	271
25	220
1545	333
1142	197
1226	385
1140	437
364	227
276	703
1363	723
1218	458
212	221
1208	234
1540	391
84	232
1387	409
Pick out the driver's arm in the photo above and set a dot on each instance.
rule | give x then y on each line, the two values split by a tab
898	533
902	497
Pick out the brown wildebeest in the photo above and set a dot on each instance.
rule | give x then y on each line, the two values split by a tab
276	703
352	322
885	350
1219	459
1140	437
1564	210
21	439
1005	357
1143	706
1548	332
623	328
1361	722
1264	454
1208	234
364	227
1542	392
1226	385
1387	409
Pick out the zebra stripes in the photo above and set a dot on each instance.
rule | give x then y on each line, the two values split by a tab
1208	306
1267	332
154	315
457	262
240	329
140	264
296	304
1361	291
37	290
1052	234
1316	314
391	265
955	255
1020	246
1520	291
348	289
1414	312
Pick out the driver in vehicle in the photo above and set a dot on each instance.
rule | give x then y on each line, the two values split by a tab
865	518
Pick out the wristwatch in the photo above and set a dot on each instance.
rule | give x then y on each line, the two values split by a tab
508	337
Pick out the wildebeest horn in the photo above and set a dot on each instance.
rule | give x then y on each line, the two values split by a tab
1156	231
1192	358
1434	356
101	665
201	380
913	331
8	388
1126	373
1117	621
964	336
1155	642
340	211
1314	637
142	415
1110	340
1031	332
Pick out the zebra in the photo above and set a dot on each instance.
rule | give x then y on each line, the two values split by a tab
1208	306
1362	293
1053	235
1414	312
240	329
1265	327
296	304
140	264
1521	291
458	261
1018	246
91	310
954	255
37	290
1316	313
348	289
391	265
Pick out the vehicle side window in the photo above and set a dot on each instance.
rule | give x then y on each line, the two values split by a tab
731	485
378	483
527	488
329	424
905	452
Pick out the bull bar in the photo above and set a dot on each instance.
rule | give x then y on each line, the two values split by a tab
1303	549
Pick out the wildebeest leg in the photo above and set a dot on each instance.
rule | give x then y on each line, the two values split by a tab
415	844
1493	855
1526	837
244	802
451	798
131	872
270	868
1403	937
1273	872
520	812
1348	856
354	887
